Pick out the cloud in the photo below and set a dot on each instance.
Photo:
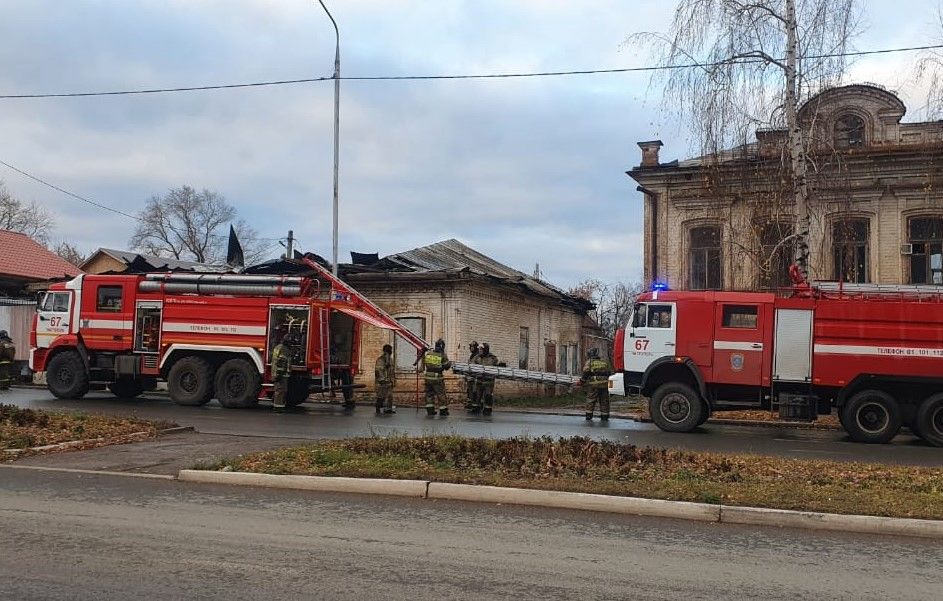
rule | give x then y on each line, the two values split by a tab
524	170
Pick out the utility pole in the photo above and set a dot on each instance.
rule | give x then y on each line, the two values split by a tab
291	245
337	109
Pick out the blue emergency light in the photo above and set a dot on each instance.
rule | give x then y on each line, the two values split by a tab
659	286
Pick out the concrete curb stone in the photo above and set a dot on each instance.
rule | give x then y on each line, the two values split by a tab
574	500
377	486
704	512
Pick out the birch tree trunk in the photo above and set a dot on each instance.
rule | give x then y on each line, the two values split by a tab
797	150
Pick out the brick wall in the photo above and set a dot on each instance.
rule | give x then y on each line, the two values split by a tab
463	310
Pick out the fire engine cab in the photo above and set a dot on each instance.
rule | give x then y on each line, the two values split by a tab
874	352
206	335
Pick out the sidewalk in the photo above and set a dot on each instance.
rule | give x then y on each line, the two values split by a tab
165	455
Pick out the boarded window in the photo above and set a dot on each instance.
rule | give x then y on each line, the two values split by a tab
850	250
523	354
405	353
705	257
575	359
849	131
109	299
926	260
564	358
740	316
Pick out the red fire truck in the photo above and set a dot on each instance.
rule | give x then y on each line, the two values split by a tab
206	335
873	352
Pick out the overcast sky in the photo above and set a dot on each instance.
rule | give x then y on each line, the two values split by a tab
526	171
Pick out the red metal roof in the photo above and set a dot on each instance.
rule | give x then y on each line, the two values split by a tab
22	257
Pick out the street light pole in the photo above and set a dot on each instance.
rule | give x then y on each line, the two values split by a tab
337	110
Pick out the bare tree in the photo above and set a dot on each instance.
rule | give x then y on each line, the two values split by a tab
190	225
29	219
613	302
70	253
757	59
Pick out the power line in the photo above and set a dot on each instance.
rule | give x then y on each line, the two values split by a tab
533	74
91	202
67	193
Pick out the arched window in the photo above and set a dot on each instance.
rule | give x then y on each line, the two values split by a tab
850	250
778	254
705	258
926	246
849	131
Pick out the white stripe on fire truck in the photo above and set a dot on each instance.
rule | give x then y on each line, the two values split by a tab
111	324
729	345
884	351
214	328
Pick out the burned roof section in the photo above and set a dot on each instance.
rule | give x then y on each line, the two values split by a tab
453	259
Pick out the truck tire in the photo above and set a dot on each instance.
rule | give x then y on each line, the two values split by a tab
298	392
929	421
190	382
66	376
706	416
871	417
237	384
676	407
126	389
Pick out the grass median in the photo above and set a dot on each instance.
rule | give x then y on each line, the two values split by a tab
25	428
584	465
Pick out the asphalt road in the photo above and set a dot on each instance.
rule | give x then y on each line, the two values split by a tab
72	536
328	421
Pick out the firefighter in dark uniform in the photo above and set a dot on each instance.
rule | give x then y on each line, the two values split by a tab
281	372
470	381
434	364
385	378
595	377
7	353
485	387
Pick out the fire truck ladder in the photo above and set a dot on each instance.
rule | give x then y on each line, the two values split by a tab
365	310
900	289
510	373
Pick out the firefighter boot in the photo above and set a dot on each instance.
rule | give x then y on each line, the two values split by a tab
604	417
444	412
486	411
379	408
589	417
430	410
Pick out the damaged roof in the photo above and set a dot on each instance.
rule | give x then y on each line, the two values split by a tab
139	263
452	256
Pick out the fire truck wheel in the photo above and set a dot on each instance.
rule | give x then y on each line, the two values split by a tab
872	417
190	382
237	384
929	420
675	407
126	389
66	376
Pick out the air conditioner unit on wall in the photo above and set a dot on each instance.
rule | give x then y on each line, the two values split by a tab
906	249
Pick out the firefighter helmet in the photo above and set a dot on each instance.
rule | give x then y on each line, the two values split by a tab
593	353
439	345
485	349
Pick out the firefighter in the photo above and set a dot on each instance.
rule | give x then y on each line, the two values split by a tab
470	381
385	377
485	386
595	377
281	372
434	364
7	352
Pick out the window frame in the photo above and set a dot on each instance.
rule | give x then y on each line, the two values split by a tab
702	256
843	244
728	311
927	243
523	349
843	136
781	256
99	297
399	343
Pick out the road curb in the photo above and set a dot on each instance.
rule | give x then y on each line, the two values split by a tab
682	510
701	512
376	486
61	446
860	524
175	430
70	470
